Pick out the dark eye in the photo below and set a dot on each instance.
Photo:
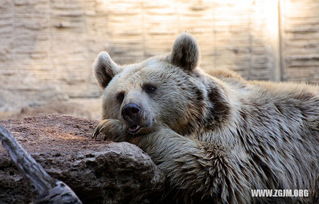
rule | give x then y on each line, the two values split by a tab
120	96
149	88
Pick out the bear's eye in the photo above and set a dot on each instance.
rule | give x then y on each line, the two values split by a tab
149	88
120	96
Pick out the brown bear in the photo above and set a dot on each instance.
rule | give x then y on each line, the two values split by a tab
216	137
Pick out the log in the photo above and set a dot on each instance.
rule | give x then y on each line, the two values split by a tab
49	190
97	171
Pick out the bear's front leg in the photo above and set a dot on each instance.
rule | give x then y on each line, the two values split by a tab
110	129
115	130
197	172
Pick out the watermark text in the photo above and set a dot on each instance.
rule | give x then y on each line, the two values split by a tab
279	193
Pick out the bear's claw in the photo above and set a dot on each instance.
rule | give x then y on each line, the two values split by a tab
109	129
99	130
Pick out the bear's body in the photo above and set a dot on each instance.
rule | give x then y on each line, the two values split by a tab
217	136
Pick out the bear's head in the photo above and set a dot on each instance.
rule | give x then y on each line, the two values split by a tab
167	89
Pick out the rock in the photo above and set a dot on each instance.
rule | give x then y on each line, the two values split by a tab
97	171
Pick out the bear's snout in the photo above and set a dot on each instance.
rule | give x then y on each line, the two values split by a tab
132	113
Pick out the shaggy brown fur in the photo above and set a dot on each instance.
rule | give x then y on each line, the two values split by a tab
215	136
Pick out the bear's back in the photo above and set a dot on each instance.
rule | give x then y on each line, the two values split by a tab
276	125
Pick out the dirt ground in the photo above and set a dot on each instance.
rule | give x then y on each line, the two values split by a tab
51	131
83	108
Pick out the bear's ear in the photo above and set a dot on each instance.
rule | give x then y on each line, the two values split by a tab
105	69
185	52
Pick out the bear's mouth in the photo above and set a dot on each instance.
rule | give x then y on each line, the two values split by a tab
134	129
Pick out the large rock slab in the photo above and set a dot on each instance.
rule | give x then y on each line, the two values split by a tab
98	171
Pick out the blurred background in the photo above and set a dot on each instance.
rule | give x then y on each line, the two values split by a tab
47	46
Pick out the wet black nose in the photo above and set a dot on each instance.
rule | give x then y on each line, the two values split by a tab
131	111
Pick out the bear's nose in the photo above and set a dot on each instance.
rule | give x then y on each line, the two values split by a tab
131	111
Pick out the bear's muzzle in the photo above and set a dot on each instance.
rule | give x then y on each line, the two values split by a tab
132	114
